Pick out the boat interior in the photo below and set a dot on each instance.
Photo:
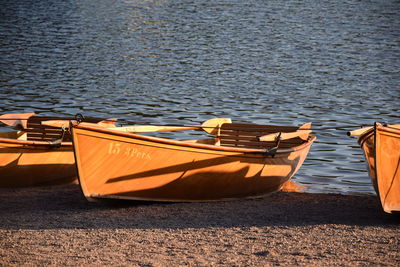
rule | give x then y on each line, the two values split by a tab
248	136
36	131
240	135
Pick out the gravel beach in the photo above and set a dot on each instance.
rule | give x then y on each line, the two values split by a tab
57	226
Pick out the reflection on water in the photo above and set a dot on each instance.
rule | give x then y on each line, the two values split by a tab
173	62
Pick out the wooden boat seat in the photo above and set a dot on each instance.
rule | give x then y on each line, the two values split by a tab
38	132
247	135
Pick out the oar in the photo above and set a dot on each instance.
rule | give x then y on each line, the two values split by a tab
109	123
16	119
302	133
210	126
360	131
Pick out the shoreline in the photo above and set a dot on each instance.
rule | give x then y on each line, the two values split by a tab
56	225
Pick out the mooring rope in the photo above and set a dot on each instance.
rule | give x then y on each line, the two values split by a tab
80	118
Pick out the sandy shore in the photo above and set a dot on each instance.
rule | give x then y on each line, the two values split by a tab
57	226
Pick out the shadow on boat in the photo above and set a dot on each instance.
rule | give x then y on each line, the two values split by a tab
200	180
64	207
34	167
14	174
211	185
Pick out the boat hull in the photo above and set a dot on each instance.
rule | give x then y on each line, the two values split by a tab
28	163
381	147
137	167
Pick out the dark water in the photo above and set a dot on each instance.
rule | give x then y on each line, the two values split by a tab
335	63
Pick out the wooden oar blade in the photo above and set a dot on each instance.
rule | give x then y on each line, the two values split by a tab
305	130
306	126
16	119
108	122
303	135
285	136
211	126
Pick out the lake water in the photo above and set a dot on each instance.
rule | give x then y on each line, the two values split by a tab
334	63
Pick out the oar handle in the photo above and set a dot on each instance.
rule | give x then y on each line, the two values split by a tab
358	132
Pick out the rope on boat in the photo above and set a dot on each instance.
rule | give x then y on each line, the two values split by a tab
79	118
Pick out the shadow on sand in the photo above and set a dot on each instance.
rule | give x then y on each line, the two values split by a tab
64	207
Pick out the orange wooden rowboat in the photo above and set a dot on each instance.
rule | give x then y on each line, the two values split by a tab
30	157
381	145
233	165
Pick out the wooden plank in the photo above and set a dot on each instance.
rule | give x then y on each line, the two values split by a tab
236	137
255	127
247	135
43	130
37	131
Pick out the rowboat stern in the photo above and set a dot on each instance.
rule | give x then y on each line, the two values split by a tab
387	142
34	163
381	145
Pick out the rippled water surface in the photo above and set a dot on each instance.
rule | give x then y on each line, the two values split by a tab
335	63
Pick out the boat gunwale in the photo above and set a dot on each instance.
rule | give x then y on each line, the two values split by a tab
381	127
183	143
